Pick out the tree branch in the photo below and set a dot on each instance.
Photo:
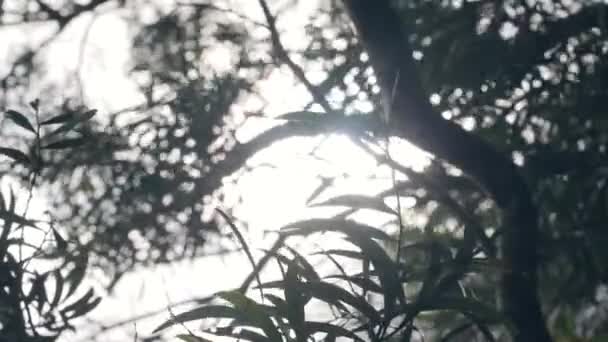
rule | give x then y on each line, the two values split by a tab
413	117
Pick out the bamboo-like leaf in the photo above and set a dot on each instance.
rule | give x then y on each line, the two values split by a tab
66	143
357	202
307	227
58	288
61	243
77	119
80	302
208	311
15	154
331	293
301	116
254	313
387	269
76	276
61	118
295	303
192	338
331	330
243	243
20	120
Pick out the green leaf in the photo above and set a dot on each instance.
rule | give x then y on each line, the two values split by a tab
58	288
307	227
66	143
209	311
15	154
357	202
20	120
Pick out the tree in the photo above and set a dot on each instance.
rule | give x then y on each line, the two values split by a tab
517	97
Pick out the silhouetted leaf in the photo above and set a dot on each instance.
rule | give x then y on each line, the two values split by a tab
254	313
35	104
77	119
58	288
310	226
192	338
357	202
330	330
66	143
243	243
301	116
209	311
15	154
20	120
61	243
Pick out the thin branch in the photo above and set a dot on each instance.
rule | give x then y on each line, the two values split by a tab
283	56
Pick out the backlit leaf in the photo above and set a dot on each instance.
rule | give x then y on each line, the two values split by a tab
20	120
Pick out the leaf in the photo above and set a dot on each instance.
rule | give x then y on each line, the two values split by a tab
243	243
387	269
15	154
307	227
20	120
301	116
192	338
325	183
58	119
209	311
61	243
66	143
254	313
77	119
295	303
76	276
357	202
79	302
58	288
331	330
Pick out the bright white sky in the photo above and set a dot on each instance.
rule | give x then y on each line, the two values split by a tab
271	197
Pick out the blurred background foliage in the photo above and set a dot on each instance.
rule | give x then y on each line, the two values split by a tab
530	77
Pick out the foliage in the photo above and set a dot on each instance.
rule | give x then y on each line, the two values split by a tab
39	304
527	77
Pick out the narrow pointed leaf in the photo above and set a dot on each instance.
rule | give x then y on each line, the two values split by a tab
192	338
357	202
15	154
209	311
69	125
307	227
253	312
331	330
61	118
20	120
66	143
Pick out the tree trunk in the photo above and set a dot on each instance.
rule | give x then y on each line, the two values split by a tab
412	117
